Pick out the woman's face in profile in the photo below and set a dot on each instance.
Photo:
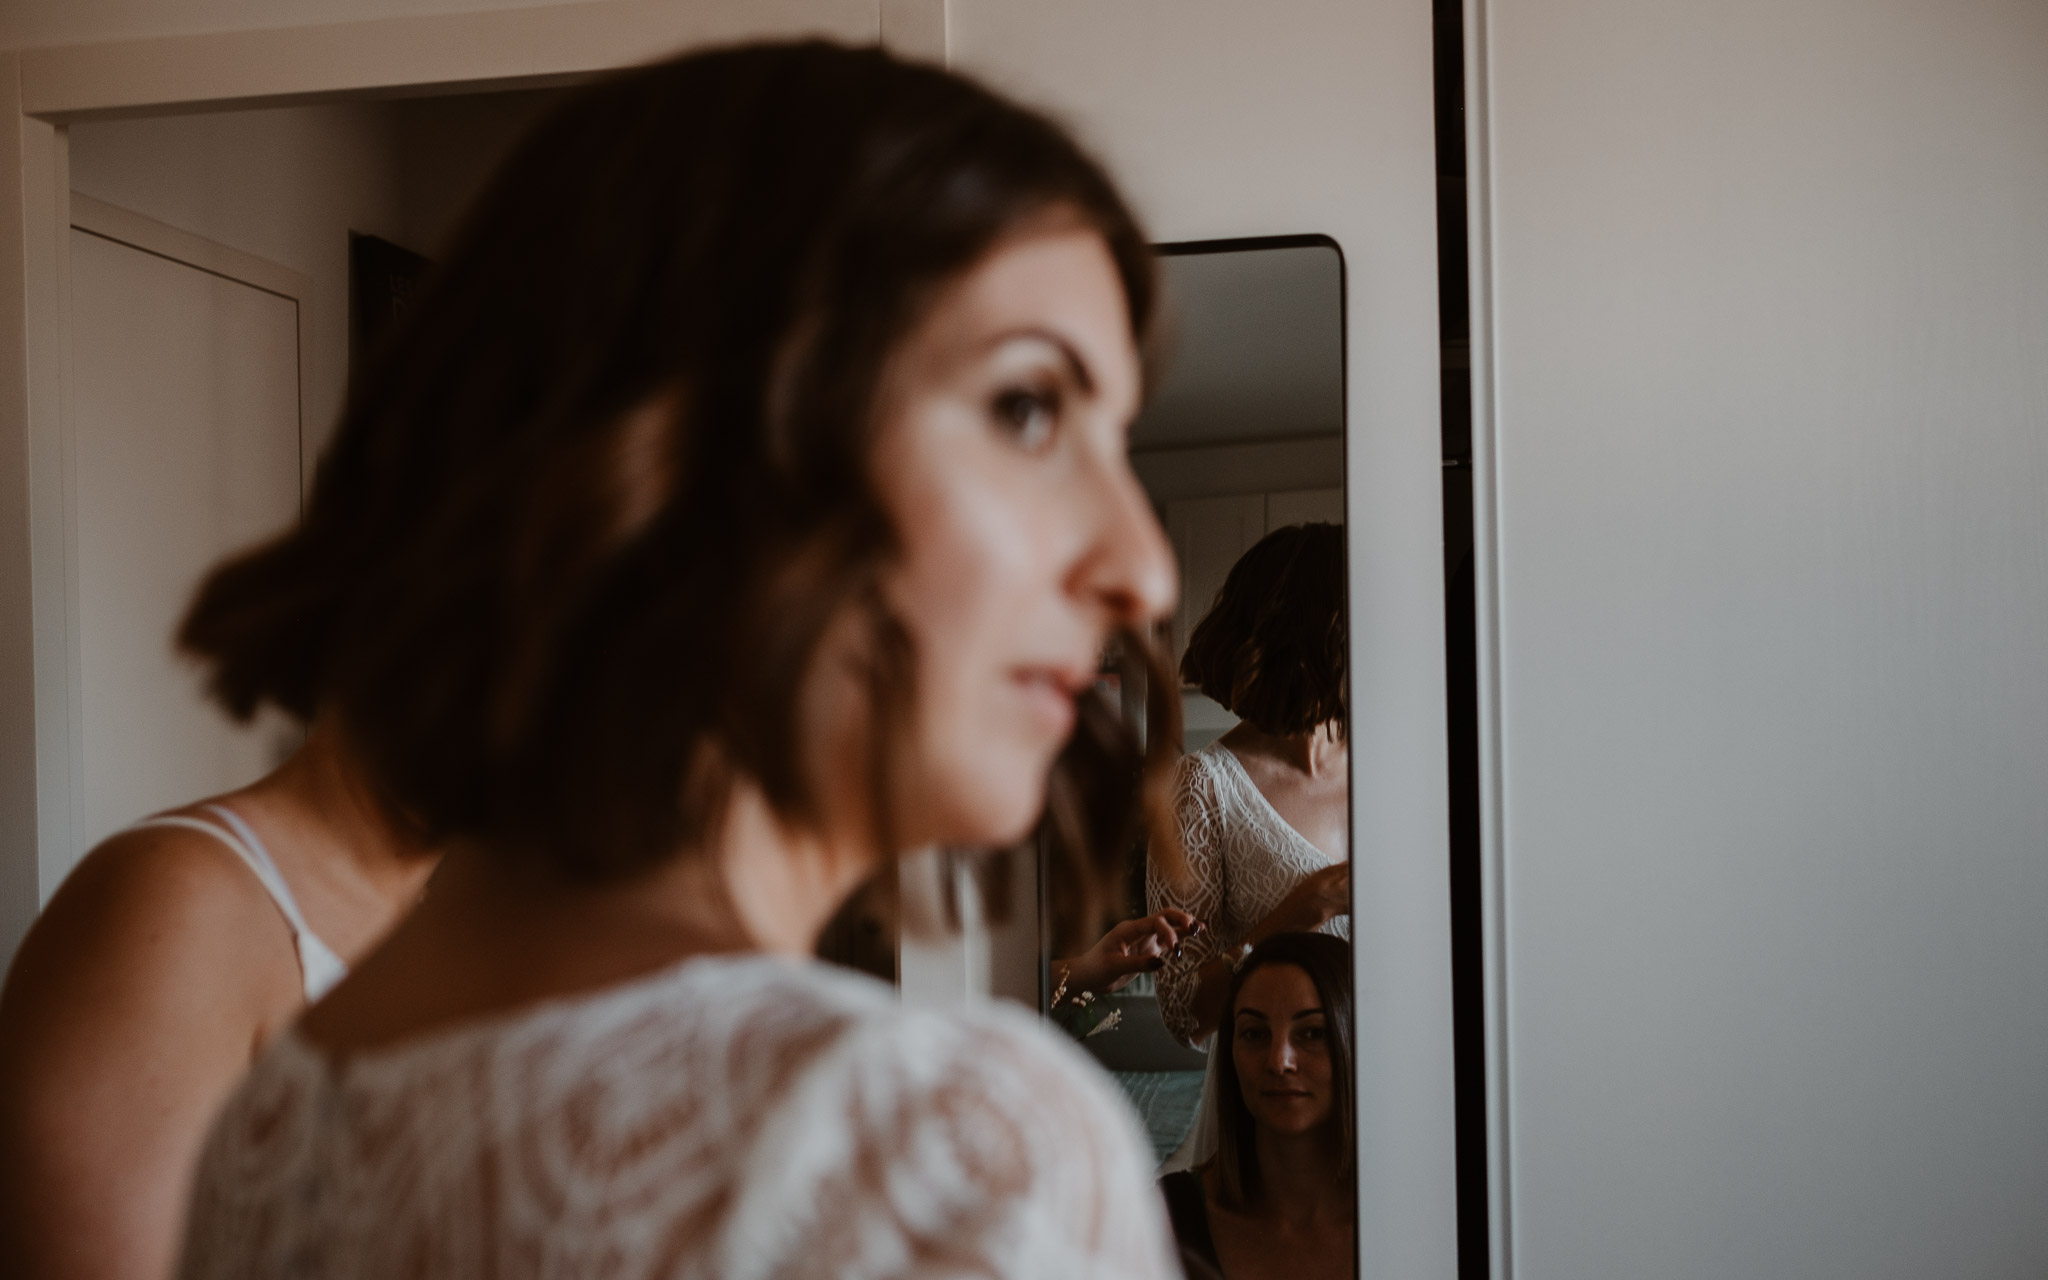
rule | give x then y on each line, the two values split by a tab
1026	538
1280	1046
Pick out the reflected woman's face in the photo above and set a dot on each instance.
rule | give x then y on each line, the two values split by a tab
1026	538
1280	1046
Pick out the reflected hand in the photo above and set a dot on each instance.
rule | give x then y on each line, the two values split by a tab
1317	900
1131	948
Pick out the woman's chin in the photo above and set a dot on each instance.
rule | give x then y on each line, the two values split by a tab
994	800
989	820
1292	1121
1015	821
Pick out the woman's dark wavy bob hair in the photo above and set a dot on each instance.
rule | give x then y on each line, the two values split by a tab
593	504
1272	648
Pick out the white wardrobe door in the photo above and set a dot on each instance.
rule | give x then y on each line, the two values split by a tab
1770	474
185	421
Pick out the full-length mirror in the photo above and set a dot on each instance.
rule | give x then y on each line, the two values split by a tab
1219	995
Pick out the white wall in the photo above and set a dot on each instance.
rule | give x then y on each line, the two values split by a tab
1771	356
289	185
286	184
25	633
1234	119
30	23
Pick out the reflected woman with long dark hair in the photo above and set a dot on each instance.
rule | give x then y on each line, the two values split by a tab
1279	1197
744	505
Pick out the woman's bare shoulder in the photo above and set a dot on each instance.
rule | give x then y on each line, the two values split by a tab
143	917
134	1003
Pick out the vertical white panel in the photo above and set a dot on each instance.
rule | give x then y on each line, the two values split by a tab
31	534
1770	290
1013	940
944	951
185	420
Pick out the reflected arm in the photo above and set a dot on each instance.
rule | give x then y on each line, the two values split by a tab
1204	894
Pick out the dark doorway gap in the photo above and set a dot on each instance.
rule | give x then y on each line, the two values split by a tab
1461	693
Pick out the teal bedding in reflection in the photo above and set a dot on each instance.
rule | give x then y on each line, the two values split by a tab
1166	1101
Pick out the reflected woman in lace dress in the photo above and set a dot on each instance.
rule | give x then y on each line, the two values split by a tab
744	504
1264	811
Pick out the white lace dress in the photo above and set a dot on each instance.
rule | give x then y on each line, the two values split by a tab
732	1117
1243	858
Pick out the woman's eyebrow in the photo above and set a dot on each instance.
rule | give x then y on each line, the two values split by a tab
1251	1013
1077	368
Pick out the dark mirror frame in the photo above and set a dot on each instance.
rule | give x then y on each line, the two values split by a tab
1193	248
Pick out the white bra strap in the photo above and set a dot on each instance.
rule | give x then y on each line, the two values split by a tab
275	878
319	966
252	853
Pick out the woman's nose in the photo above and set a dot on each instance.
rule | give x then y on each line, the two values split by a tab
1130	569
1283	1059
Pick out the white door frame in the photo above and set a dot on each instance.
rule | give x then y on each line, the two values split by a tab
42	91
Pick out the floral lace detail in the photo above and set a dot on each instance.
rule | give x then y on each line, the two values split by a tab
742	1118
1242	859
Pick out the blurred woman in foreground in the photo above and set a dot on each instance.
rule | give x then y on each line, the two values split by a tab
744	505
1279	1197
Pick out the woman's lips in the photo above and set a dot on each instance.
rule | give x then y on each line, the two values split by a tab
1049	693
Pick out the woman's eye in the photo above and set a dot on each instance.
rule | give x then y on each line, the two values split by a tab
1028	417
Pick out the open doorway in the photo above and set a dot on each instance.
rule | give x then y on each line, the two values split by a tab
216	309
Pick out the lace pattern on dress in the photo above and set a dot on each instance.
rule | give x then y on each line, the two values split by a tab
739	1118
1242	859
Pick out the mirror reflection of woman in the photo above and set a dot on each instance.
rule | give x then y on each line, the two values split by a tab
1278	1199
1264	810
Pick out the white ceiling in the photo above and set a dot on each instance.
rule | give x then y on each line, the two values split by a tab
1255	348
